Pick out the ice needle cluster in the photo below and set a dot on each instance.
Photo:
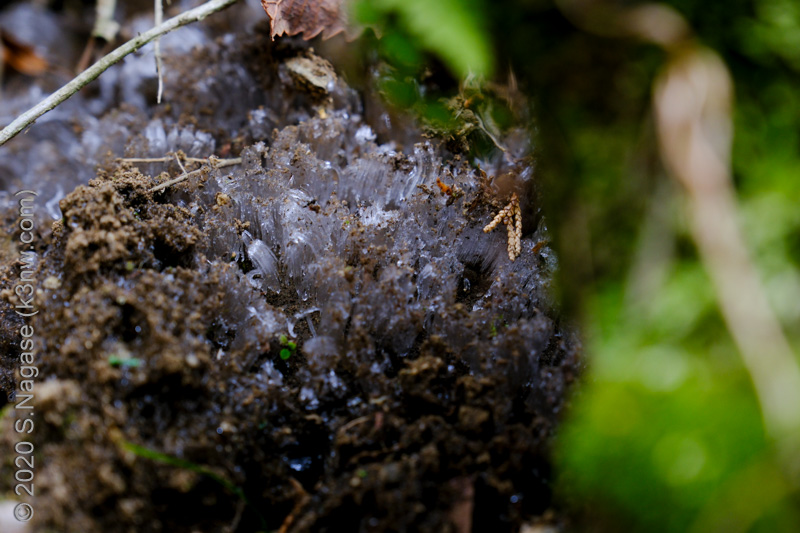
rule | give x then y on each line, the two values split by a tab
324	312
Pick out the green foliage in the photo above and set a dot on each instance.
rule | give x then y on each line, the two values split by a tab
774	33
666	433
450	29
427	49
667	422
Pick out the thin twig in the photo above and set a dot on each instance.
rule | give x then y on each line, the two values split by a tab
165	159
178	160
301	499
489	134
212	164
83	79
86	56
159	19
353	423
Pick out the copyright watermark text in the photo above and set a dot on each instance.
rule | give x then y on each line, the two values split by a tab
25	290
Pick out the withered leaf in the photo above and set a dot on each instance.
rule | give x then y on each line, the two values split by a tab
20	57
309	17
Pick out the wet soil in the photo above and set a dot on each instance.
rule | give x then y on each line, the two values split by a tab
317	339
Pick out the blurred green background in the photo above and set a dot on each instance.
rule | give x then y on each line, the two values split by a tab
665	432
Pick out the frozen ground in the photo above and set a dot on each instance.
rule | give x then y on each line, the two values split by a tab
330	339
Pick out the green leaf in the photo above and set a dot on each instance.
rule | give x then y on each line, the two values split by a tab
177	462
451	29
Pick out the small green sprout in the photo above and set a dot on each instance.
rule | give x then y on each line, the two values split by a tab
289	347
493	328
362	473
131	362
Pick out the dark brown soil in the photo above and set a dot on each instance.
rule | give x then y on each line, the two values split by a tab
164	402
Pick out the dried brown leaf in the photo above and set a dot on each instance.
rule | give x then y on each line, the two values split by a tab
309	17
21	57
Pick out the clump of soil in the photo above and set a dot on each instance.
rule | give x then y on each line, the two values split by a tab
316	339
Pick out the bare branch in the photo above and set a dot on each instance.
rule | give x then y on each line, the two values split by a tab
692	102
83	79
